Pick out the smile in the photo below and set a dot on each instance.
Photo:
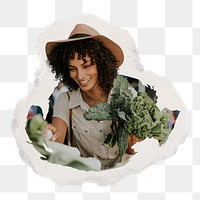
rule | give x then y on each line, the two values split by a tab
85	81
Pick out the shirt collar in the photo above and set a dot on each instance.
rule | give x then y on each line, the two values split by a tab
76	100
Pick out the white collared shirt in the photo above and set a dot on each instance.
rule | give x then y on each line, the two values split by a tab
89	135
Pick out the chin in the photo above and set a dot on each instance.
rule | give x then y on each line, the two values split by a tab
88	87
85	89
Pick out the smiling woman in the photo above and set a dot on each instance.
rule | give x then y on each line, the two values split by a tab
84	73
87	63
106	115
86	49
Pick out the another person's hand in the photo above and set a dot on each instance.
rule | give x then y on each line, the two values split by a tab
131	141
53	134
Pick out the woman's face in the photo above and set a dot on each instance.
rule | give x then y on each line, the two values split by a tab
84	73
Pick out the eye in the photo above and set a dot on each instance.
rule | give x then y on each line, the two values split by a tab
87	66
71	69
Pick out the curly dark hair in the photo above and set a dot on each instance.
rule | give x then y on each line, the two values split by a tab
106	62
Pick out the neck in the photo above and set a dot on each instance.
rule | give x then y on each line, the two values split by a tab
93	98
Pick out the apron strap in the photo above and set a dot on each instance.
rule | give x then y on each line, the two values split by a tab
69	129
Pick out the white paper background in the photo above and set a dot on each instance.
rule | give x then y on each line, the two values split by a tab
175	42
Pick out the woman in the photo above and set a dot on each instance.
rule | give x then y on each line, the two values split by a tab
87	63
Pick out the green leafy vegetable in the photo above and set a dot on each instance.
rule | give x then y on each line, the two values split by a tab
130	116
148	120
35	128
100	112
54	152
122	140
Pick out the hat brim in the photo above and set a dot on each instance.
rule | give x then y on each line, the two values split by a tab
112	46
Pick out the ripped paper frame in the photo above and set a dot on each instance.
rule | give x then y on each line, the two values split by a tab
148	150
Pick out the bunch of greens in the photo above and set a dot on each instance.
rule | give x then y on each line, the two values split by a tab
54	152
139	116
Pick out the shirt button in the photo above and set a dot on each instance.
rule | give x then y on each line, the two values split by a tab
100	131
86	131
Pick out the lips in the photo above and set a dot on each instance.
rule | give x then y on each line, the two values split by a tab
84	82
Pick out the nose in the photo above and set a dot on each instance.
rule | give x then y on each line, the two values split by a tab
80	74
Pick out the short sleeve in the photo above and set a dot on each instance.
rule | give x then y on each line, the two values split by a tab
61	107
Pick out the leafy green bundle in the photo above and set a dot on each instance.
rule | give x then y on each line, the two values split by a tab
130	116
54	152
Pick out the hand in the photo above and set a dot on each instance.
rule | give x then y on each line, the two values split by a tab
53	134
131	141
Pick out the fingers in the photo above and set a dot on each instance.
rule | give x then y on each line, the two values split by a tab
48	134
131	141
130	151
51	127
56	136
130	144
52	133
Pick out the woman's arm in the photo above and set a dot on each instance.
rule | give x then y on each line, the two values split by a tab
59	129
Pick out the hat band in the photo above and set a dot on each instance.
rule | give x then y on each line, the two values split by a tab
79	35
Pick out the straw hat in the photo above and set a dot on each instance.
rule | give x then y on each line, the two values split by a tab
83	31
